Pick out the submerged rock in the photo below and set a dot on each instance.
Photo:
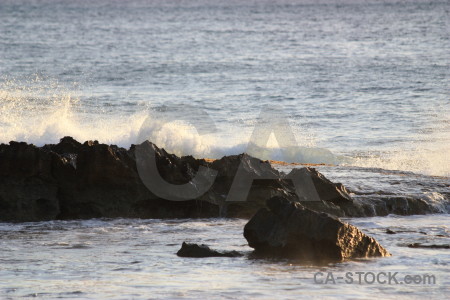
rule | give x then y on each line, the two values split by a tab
419	245
195	250
287	229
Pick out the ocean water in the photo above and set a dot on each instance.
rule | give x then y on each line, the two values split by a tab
363	85
136	259
365	80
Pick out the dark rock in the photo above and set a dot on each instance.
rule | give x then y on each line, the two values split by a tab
28	188
403	205
418	245
265	182
333	197
67	145
194	250
290	230
71	180
104	184
174	169
388	231
328	191
385	204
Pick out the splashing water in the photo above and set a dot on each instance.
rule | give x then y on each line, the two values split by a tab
428	153
41	110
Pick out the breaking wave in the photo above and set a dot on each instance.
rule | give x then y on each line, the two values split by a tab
42	114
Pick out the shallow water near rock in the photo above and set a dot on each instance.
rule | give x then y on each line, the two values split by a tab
135	258
131	258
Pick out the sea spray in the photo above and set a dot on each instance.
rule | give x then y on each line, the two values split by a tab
41	110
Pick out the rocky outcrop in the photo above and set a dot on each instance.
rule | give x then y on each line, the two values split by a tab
287	229
194	250
265	181
72	180
91	181
383	205
332	198
28	187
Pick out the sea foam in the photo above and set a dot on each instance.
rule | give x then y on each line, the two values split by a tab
42	114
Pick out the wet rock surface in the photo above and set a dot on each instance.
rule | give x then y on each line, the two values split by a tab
426	246
73	180
195	250
287	229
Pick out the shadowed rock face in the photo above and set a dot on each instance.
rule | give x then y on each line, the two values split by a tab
71	180
92	181
194	250
334	197
28	187
267	182
287	229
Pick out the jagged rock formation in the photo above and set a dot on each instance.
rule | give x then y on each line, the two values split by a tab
71	180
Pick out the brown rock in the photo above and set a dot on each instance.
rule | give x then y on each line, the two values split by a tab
194	250
287	229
